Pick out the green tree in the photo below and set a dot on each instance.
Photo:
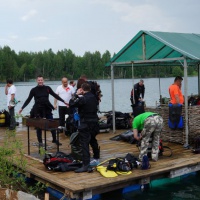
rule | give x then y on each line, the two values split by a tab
177	71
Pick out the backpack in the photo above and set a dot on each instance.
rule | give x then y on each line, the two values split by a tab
60	162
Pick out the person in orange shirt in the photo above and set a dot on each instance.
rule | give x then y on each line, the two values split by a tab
175	91
175	105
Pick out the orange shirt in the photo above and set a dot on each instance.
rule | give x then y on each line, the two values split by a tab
173	90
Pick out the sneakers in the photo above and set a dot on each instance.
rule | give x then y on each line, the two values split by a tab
56	142
94	162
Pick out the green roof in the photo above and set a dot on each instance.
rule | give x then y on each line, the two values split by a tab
165	48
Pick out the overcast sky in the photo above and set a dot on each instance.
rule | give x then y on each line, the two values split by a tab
90	25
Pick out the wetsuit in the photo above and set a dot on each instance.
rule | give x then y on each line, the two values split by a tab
42	107
88	127
138	92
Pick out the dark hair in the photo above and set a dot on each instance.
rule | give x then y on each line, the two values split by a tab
71	82
86	87
10	81
178	78
83	76
40	75
80	82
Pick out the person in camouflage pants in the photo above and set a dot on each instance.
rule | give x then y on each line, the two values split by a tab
150	125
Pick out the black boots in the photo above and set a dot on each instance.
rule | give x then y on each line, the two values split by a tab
84	168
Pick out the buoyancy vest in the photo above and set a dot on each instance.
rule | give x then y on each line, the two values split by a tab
88	110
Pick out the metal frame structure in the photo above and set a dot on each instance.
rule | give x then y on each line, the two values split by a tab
184	56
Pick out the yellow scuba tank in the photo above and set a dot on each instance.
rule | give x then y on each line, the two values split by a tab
2	119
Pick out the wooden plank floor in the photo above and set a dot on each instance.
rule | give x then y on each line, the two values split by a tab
182	161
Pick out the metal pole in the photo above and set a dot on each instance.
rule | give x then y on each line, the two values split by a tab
186	103
159	85
133	83
28	140
198	79
113	97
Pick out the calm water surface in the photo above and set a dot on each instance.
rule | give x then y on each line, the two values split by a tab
122	92
182	190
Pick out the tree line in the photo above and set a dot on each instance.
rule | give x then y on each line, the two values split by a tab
24	66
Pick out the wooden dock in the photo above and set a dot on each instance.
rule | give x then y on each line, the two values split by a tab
84	185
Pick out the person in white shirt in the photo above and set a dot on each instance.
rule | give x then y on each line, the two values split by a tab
10	91
73	84
65	91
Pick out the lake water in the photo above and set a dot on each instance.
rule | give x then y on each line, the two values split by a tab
122	93
182	190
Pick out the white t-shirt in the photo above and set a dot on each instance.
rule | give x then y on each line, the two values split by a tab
73	89
64	93
11	90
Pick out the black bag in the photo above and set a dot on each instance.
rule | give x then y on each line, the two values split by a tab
64	167
132	160
122	120
118	164
128	137
125	164
104	127
61	162
137	110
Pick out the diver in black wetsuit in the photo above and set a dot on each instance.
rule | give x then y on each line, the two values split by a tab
42	107
137	94
88	126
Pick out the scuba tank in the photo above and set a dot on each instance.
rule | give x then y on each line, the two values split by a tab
2	119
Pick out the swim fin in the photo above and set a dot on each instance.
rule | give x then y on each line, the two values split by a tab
123	173
106	173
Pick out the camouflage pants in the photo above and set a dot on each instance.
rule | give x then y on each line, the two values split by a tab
152	128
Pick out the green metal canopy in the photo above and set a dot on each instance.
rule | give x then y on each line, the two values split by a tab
152	48
166	48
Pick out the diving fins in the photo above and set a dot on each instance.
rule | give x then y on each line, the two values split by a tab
106	173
